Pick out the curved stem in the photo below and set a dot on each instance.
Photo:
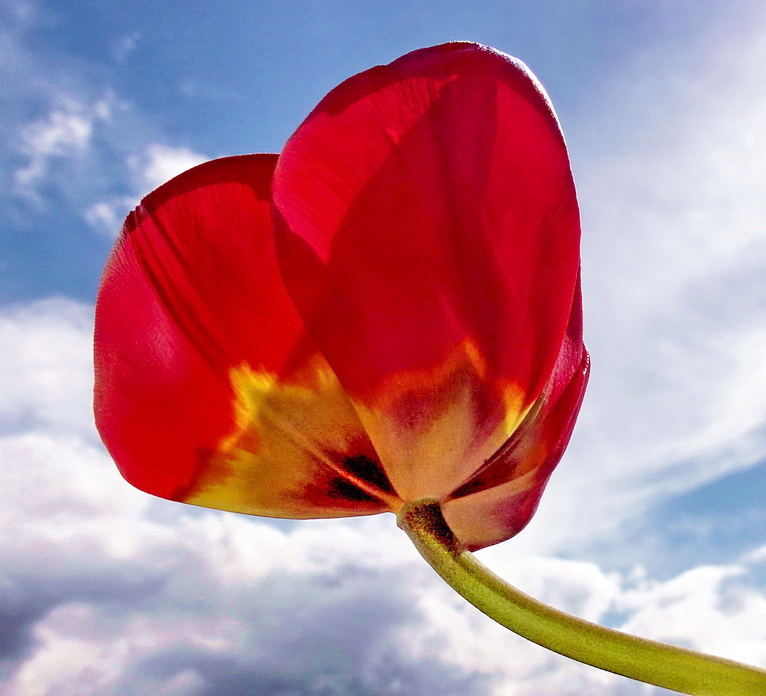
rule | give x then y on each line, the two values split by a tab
654	663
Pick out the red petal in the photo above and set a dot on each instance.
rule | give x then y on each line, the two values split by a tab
500	499
208	389
428	232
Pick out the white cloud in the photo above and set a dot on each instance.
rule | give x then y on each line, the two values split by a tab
674	262
717	609
107	216
755	556
153	166
159	163
706	607
73	151
66	132
45	371
125	46
110	592
19	15
61	134
121	601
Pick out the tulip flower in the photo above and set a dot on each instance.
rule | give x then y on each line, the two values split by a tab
386	316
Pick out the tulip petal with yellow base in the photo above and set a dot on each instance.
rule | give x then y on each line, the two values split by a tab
384	317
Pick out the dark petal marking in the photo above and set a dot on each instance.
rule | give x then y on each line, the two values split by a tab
367	469
345	490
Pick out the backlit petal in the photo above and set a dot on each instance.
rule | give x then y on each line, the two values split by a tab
208	389
500	499
427	230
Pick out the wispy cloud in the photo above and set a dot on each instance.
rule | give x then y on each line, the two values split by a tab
107	216
72	139
153	166
158	163
674	264
66	132
64	139
125	46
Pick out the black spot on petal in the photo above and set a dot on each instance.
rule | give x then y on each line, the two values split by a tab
369	470
344	489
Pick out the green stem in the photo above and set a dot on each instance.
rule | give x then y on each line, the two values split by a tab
654	663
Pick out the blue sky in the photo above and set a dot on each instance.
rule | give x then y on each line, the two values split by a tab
240	77
654	521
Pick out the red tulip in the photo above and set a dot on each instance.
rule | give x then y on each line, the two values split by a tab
386	316
388	311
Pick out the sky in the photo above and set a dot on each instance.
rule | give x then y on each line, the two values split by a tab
653	523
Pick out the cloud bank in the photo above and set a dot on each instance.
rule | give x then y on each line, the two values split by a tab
110	591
